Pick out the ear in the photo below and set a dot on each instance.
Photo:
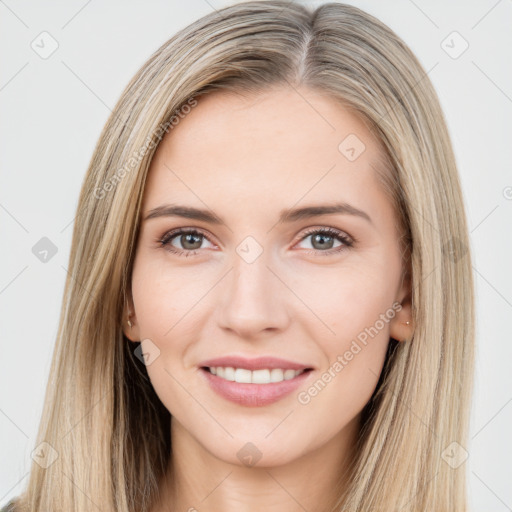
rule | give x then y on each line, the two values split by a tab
401	325
132	333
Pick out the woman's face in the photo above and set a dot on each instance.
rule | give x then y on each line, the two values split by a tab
267	275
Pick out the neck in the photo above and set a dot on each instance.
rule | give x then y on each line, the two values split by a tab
198	480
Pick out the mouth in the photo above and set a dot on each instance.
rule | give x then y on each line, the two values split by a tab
261	376
254	382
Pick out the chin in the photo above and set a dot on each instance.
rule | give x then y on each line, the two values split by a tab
243	452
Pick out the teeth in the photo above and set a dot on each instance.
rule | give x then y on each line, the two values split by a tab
265	376
242	375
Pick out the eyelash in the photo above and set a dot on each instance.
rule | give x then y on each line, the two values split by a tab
334	233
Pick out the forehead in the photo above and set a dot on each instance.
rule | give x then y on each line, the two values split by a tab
277	147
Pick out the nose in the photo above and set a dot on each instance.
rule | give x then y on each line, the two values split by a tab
253	300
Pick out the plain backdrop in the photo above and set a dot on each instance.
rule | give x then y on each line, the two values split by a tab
52	112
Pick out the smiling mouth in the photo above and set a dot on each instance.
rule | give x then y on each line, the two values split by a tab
261	376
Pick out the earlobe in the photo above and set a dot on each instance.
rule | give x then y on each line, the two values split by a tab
129	325
401	326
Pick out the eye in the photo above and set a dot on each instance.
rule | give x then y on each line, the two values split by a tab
189	239
324	239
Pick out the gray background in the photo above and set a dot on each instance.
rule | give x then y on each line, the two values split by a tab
52	111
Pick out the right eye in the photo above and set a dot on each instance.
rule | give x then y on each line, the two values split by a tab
189	239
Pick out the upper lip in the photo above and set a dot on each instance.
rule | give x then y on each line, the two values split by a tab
257	363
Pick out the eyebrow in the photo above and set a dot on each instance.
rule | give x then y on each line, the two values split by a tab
285	216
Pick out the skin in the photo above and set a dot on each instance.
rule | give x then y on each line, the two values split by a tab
245	159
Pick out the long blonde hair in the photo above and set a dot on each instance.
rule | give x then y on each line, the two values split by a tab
109	430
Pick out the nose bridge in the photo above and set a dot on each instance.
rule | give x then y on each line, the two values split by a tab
253	298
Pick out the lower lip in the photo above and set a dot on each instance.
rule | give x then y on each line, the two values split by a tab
253	395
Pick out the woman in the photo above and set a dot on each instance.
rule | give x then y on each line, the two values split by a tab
271	299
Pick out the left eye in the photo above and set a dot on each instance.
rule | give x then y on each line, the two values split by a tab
323	240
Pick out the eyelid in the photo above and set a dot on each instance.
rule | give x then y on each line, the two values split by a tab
329	230
344	238
168	235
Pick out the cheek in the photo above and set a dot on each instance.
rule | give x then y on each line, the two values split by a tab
354	362
348	299
357	305
164	306
165	298
169	313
